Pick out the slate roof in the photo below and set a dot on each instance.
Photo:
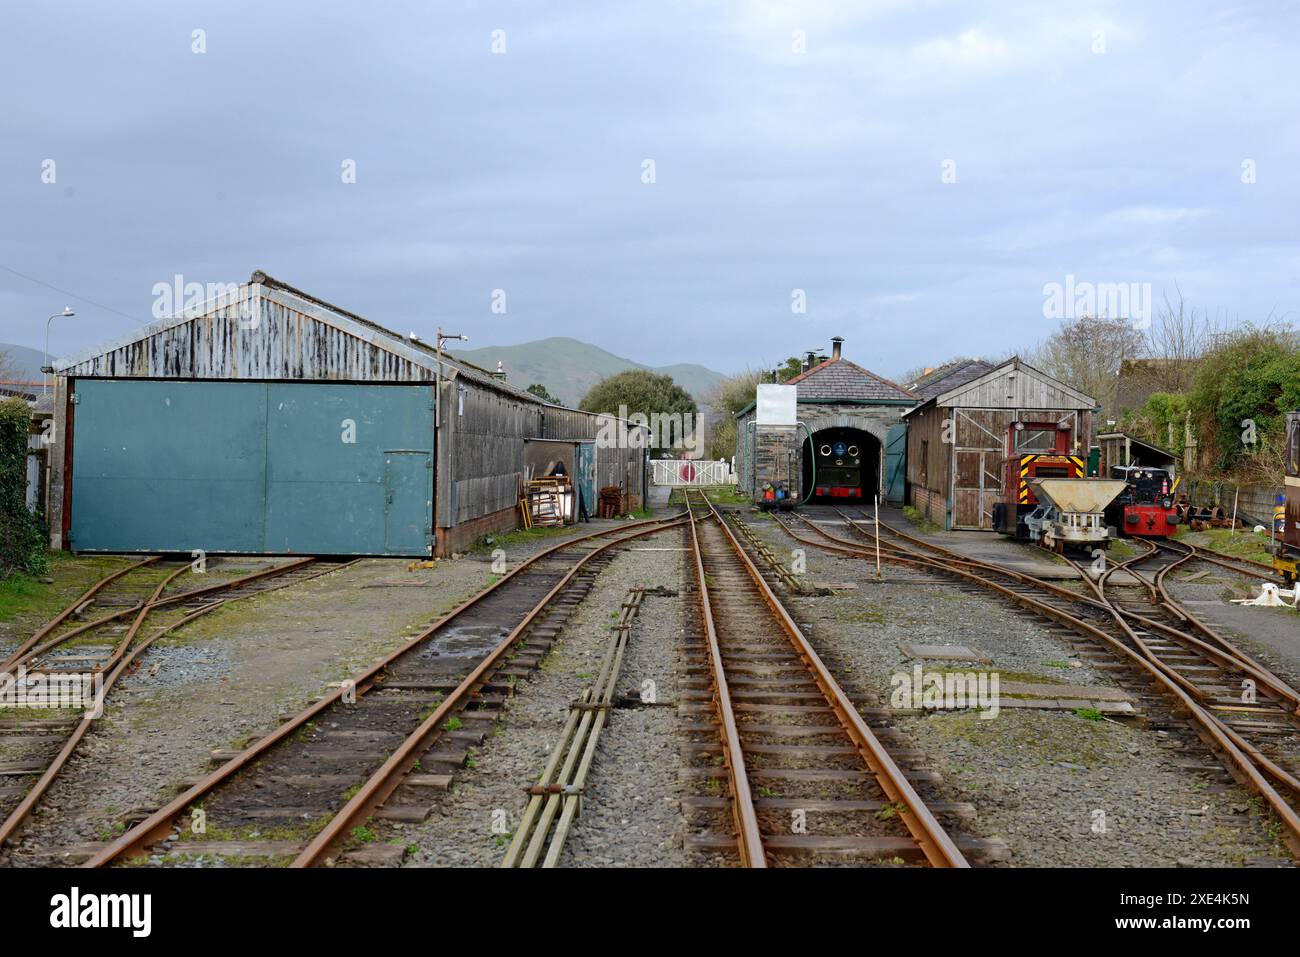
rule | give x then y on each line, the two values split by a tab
842	379
949	377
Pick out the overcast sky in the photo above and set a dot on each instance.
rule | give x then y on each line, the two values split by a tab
1105	142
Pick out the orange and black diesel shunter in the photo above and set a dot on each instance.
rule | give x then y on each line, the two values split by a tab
1035	450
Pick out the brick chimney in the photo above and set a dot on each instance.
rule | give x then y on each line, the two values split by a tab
836	343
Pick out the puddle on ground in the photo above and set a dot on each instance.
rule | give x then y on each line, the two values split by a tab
463	641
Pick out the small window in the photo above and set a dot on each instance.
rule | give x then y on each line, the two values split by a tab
1035	440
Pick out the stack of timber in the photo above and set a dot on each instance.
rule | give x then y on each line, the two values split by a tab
541	501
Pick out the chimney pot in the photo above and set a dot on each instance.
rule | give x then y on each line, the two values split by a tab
836	343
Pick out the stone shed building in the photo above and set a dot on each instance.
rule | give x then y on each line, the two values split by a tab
269	421
837	400
960	436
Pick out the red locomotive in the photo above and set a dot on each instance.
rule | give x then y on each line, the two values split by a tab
1145	508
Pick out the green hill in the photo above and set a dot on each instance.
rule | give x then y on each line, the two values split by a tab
25	362
569	367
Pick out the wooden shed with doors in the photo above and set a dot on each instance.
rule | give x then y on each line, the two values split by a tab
959	438
269	421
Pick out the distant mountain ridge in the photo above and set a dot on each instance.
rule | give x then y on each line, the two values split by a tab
570	367
25	362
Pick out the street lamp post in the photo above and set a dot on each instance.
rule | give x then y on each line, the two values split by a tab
67	313
442	337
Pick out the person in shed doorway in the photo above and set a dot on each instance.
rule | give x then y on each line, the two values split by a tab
583	514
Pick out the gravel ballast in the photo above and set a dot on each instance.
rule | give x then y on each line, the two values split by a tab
1038	778
630	814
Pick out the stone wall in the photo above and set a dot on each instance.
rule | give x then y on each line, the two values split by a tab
776	458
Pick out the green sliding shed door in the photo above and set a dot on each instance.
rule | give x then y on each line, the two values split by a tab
267	468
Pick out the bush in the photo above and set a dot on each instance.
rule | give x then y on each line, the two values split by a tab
1163	414
1243	390
22	534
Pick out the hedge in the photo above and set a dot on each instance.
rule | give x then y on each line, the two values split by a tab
22	534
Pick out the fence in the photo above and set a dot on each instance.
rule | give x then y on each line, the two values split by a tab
690	472
1254	502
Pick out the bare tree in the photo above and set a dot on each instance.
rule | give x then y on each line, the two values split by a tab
8	368
1086	354
1177	337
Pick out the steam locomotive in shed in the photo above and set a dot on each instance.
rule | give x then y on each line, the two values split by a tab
837	460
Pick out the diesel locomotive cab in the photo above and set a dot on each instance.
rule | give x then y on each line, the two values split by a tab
1036	450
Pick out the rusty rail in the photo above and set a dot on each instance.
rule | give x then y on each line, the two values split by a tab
123	657
158	824
62	616
1246	760
935	843
385	780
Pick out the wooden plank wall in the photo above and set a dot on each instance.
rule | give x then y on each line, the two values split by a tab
929	473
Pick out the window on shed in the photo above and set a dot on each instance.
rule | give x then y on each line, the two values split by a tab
1035	440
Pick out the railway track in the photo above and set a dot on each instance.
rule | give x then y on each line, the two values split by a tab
1242	566
1181	669
777	721
74	661
387	744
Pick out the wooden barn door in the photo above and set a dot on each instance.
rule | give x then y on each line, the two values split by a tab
980	436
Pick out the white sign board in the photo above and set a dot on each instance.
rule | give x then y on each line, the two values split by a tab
776	404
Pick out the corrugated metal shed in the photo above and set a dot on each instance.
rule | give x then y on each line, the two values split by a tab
266	330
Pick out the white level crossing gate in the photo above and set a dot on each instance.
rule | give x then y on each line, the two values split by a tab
690	472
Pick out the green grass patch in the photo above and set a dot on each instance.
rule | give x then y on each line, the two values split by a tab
1243	543
915	516
521	536
717	494
24	599
1121	550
